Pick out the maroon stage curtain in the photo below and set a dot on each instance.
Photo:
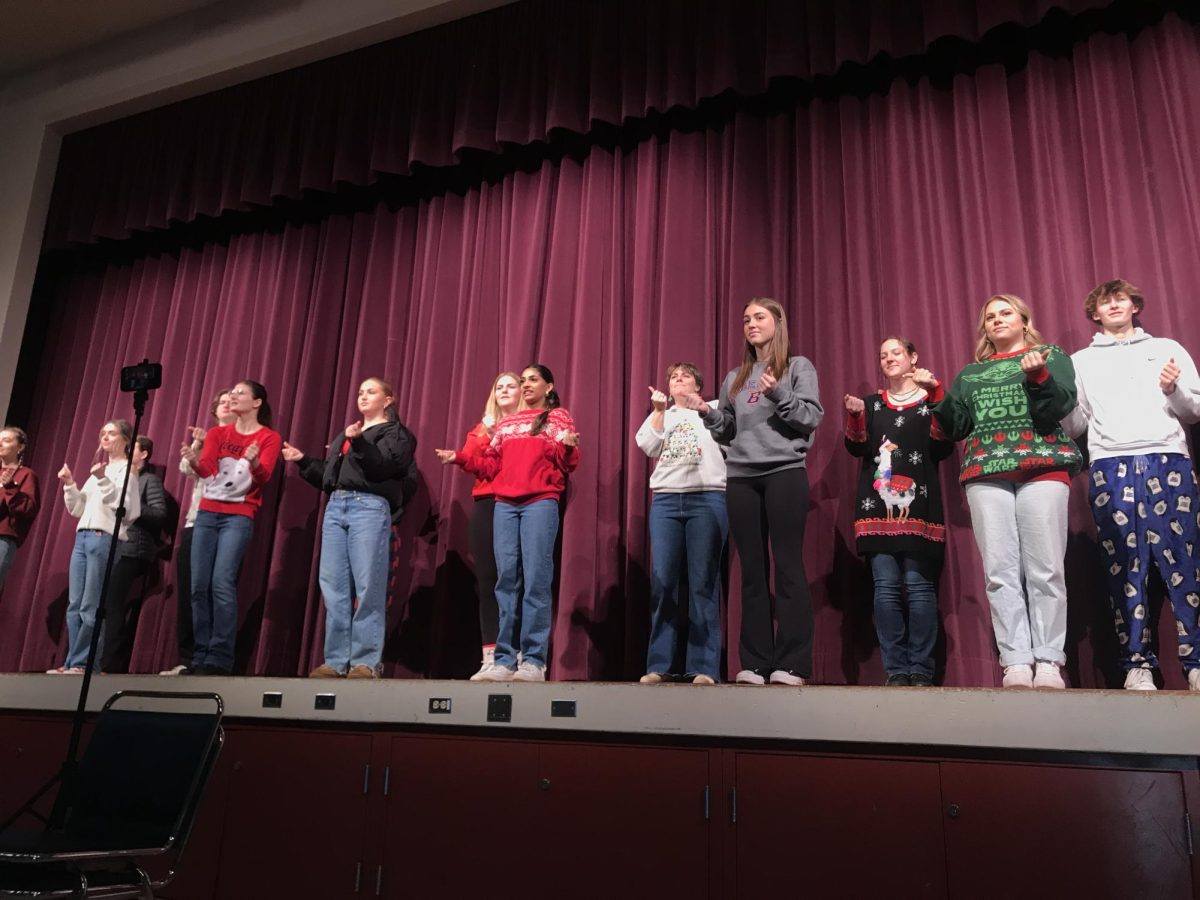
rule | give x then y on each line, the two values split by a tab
897	212
537	68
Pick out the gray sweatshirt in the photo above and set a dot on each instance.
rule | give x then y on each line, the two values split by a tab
767	432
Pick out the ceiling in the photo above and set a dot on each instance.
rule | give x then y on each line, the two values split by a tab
36	32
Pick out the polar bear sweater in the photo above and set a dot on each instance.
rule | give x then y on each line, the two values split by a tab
234	486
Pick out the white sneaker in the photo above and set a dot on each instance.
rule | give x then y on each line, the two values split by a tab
749	676
780	676
651	678
178	670
1047	675
1194	679
1018	676
495	673
1140	679
489	663
528	671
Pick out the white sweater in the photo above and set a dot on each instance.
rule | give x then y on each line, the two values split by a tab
689	460
1120	403
95	503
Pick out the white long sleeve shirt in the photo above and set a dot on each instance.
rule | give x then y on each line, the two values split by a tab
689	460
1120	403
95	503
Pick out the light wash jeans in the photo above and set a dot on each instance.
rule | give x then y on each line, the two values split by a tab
355	545
523	538
8	552
1021	531
86	575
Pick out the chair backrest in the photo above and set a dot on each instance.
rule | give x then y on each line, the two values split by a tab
138	782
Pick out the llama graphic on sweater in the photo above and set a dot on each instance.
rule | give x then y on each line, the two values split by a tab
896	491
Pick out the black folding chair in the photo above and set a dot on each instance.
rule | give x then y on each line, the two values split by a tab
133	796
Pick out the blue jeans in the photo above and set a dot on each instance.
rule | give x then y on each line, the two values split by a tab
356	541
523	538
218	544
907	648
692	525
83	597
8	552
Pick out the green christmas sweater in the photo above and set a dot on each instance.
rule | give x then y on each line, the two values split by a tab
1010	423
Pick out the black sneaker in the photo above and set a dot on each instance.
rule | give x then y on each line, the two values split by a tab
917	679
900	680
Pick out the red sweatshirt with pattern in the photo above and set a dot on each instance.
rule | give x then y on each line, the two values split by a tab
525	467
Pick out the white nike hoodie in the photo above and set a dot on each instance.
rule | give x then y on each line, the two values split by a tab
1120	403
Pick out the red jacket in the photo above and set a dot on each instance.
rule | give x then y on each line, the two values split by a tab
526	467
474	447
19	502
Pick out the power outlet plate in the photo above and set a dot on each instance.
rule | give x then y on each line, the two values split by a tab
499	708
562	709
325	701
272	700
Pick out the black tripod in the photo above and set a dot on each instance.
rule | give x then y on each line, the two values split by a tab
141	387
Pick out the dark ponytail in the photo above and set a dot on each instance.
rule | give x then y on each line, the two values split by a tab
258	392
552	399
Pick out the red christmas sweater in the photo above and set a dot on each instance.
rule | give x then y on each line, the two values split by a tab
524	467
237	485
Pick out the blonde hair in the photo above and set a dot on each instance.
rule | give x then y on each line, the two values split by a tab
492	408
778	355
984	348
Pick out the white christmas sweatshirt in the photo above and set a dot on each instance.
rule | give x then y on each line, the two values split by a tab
689	459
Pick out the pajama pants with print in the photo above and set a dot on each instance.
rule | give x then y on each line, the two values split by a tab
1146	509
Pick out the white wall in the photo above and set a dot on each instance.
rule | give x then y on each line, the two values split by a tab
212	48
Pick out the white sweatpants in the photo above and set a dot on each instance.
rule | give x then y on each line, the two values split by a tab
1021	531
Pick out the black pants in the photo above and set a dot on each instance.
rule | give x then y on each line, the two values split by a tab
183	597
773	508
480	536
131	580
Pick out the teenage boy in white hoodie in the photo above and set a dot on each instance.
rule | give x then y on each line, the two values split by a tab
1136	394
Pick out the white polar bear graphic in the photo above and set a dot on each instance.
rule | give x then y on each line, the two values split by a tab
232	481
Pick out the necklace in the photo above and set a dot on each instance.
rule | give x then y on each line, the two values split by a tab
900	398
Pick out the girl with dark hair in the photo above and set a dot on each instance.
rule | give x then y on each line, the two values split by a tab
767	413
364	477
528	460
20	496
237	462
898	523
219	410
95	506
503	400
1016	472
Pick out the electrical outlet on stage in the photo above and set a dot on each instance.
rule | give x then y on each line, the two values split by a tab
499	708
325	701
273	700
562	709
439	705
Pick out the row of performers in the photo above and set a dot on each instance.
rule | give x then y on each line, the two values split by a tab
735	465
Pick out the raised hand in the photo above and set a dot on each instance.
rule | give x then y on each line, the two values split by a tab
1034	361
354	430
925	379
7	474
658	399
767	381
65	476
1169	376
290	453
692	401
570	438
98	468
489	424
188	452
445	456
854	405
196	433
250	454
